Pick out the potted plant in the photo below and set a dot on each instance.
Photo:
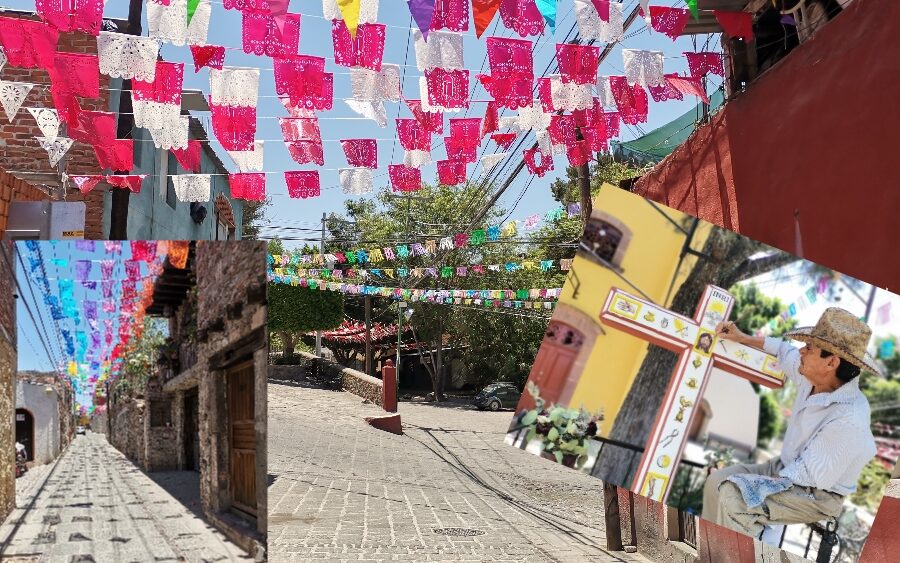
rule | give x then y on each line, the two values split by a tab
563	432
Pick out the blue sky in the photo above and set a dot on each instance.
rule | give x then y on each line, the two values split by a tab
341	122
34	320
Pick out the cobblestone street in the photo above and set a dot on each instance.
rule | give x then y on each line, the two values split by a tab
448	490
92	504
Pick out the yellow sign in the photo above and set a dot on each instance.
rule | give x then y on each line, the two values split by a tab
73	234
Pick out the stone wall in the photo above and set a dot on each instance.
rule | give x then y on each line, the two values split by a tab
160	441
362	385
8	365
652	528
231	329
127	430
99	422
227	273
310	365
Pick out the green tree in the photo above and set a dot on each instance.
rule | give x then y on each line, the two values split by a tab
753	310
605	169
141	356
254	214
436	212
770	419
884	400
870	488
891	361
295	310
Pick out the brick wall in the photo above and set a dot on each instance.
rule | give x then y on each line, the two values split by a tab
20	151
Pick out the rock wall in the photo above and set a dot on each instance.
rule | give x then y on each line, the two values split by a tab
7	421
227	272
161	446
231	329
362	385
127	430
99	422
161	449
8	364
311	366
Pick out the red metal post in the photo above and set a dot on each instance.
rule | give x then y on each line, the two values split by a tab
389	386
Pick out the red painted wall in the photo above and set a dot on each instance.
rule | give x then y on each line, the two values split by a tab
818	134
716	543
883	545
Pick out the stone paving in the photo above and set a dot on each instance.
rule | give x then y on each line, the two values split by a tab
447	490
92	504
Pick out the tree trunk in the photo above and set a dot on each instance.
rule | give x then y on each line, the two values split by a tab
439	369
725	264
287	339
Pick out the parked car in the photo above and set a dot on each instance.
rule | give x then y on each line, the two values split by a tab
79	429
498	395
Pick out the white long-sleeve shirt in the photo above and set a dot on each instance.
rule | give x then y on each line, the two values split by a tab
828	440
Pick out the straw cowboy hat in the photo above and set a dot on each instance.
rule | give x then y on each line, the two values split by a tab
842	334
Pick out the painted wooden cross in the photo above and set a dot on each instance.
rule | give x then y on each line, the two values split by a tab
699	350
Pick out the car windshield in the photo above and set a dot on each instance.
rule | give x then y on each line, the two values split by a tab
495	387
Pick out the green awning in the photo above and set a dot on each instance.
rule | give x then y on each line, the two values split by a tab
659	143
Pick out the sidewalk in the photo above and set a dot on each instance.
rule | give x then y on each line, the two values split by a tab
448	490
92	504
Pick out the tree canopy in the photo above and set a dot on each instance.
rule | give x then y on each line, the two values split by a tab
295	310
492	344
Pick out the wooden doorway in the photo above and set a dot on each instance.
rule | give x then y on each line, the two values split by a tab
25	432
554	361
192	431
242	432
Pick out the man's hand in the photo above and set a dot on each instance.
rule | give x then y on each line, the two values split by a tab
727	330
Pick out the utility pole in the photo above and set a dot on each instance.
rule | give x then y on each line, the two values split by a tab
322	253
118	219
368	302
584	185
401	304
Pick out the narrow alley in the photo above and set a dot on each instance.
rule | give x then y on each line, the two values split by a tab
92	504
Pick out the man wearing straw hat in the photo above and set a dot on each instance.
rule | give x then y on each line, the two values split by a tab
828	439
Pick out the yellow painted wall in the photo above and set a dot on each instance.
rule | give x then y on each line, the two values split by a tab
650	263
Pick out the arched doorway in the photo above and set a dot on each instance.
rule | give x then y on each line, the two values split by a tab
554	360
25	432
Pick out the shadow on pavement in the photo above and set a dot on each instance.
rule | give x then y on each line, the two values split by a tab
184	486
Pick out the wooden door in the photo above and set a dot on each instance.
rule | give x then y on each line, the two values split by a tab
554	360
242	422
